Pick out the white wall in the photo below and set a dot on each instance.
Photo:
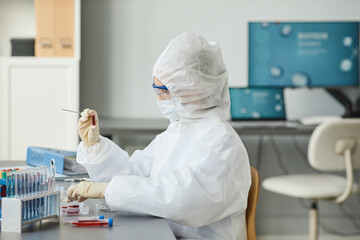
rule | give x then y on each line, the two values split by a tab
121	40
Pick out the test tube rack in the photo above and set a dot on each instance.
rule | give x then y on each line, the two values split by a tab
12	211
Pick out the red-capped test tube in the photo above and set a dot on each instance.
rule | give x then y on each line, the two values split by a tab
93	119
99	222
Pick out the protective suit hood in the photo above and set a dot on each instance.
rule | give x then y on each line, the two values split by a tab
194	72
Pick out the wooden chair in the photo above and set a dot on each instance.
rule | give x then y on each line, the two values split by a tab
252	202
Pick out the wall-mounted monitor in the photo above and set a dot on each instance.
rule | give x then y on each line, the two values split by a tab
257	104
303	54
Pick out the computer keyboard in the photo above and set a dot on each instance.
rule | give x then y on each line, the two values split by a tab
265	124
315	120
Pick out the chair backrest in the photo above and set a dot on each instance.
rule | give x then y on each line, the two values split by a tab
252	202
321	151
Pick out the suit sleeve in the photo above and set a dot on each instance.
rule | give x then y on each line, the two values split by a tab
106	159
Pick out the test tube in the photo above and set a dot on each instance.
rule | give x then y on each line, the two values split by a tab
7	176
53	174
30	193
9	184
34	189
93	121
49	189
32	186
12	183
42	190
33	193
82	219
36	192
99	222
18	184
23	191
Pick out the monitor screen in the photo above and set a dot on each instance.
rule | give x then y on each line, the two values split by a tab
257	104
304	54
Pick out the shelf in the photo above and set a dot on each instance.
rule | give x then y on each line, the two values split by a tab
45	61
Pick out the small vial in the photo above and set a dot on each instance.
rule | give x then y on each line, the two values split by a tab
49	189
25	194
52	174
18	184
9	184
42	190
100	222
93	119
31	186
38	191
82	219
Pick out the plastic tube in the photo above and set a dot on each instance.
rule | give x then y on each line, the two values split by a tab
29	209
82	219
100	222
9	184
42	190
48	189
52	174
93	121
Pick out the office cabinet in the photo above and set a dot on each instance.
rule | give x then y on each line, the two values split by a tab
33	92
45	28
54	28
64	25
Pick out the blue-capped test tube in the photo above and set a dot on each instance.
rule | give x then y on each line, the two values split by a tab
48	189
42	190
30	180
53	174
18	184
35	192
12	189
10	184
19	189
23	192
30	193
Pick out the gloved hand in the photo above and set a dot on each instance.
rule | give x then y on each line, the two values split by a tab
89	134
85	190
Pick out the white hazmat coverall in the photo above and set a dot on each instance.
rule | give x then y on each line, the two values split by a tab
195	174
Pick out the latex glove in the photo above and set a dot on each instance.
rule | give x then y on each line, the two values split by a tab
89	134
85	190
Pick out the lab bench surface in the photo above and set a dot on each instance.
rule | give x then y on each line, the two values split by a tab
110	126
126	226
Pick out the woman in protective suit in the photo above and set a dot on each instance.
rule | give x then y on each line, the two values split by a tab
195	174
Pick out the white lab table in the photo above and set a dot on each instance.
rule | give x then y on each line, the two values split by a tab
125	227
119	126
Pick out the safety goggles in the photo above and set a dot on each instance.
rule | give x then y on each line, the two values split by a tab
161	91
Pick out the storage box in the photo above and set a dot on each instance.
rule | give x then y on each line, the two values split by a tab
63	160
55	22
22	47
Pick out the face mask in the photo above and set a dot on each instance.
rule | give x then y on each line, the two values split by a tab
168	109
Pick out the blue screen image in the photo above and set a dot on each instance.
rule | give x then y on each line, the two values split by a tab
303	54
257	103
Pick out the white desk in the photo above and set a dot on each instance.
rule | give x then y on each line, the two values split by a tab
110	126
